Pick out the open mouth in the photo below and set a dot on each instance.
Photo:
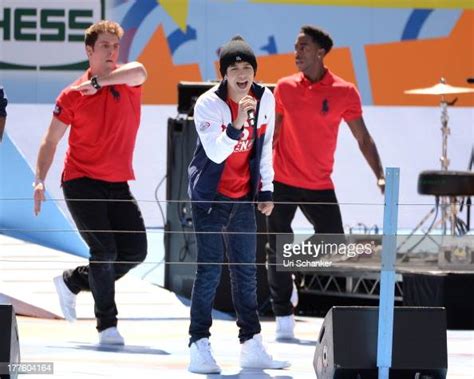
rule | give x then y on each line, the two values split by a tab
242	85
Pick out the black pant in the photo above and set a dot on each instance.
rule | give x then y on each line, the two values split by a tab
326	219
98	222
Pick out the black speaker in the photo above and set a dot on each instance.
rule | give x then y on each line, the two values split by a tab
347	344
9	342
448	290
188	93
180	242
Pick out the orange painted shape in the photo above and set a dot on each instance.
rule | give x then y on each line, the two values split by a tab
399	66
163	74
273	67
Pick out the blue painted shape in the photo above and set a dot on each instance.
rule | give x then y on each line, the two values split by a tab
137	12
132	21
270	47
177	38
51	228
126	43
415	23
387	274
116	3
359	61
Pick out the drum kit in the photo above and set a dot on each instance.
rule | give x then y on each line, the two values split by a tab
448	186
442	89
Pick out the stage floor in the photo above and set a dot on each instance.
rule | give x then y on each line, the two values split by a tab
158	348
154	323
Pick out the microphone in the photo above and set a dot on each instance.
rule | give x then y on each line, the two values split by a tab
251	117
470	80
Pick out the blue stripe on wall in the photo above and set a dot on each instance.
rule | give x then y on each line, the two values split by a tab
51	228
415	23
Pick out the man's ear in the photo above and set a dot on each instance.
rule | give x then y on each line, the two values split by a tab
321	53
89	50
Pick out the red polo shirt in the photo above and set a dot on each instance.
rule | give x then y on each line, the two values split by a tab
103	131
304	153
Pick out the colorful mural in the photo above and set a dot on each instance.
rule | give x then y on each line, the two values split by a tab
416	64
385	50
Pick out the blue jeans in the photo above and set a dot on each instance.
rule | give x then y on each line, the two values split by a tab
228	227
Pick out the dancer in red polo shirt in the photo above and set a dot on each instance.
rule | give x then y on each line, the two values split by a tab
102	108
3	111
309	108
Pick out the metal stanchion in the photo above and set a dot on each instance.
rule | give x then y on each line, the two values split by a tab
387	273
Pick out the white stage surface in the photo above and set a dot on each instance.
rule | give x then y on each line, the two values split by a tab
154	323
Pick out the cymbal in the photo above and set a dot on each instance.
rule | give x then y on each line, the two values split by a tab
439	89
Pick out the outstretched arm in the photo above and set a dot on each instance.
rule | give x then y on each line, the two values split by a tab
132	74
368	149
265	203
3	111
2	126
46	153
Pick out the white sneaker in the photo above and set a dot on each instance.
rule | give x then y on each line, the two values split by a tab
294	294
202	361
111	336
254	355
67	299
285	327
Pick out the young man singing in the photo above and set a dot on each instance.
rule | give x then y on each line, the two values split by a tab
231	168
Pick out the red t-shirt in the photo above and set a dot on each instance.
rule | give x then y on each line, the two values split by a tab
304	153
235	178
103	131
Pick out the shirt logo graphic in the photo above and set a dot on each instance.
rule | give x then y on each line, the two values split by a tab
204	125
325	107
246	141
115	93
57	110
